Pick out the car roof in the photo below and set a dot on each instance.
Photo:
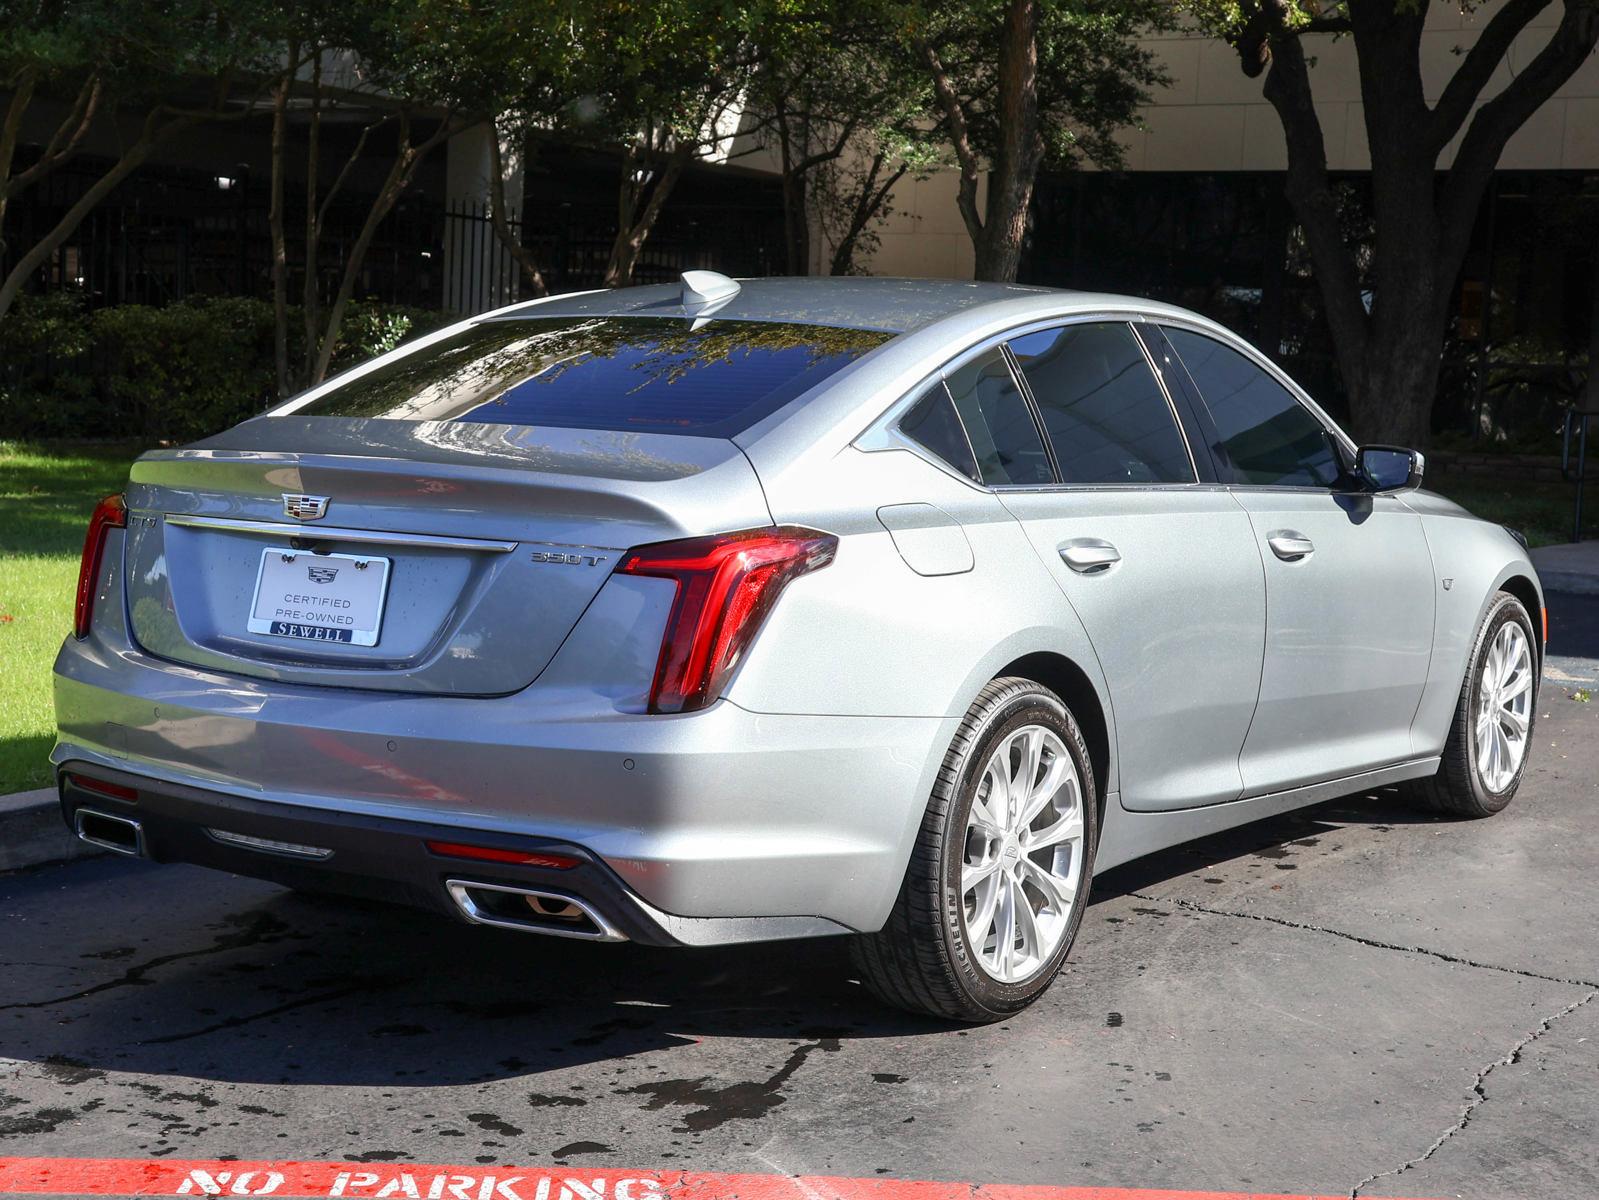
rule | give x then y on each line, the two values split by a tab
854	302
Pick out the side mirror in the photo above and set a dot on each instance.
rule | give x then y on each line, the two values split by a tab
1389	468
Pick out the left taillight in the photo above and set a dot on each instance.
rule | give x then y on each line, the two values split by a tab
111	513
726	584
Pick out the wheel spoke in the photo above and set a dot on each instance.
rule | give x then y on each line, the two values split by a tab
1060	892
1067	828
1025	780
1027	923
1520	684
1056	775
981	922
983	813
1005	926
972	875
1513	722
1501	755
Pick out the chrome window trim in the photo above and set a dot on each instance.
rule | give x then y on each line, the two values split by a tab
883	431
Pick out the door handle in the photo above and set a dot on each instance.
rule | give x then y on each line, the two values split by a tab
1290	545
1089	556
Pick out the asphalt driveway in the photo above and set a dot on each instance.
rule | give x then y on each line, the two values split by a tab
1356	997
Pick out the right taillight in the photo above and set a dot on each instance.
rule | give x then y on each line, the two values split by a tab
110	513
726	584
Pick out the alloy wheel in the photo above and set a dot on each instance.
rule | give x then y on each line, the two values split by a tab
1023	859
1504	707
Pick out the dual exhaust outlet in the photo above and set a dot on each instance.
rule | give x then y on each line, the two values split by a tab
503	906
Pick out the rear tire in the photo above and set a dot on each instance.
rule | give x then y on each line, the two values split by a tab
1490	738
999	876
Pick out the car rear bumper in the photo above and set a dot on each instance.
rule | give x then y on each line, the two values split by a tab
716	826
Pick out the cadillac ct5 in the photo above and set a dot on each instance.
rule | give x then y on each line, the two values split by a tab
722	611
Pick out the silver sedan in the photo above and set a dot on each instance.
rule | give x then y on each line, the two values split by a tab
718	612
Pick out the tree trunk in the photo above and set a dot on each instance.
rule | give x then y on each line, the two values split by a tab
796	225
280	253
1018	151
868	204
635	223
21	97
310	294
514	245
406	160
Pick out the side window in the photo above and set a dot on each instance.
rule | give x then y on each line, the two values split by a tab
1004	436
1102	406
1267	435
932	424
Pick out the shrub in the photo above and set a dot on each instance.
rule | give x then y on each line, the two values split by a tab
176	373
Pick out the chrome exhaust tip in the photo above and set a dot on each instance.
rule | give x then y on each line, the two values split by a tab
120	835
530	910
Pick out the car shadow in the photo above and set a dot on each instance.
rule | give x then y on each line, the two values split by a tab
269	987
1380	809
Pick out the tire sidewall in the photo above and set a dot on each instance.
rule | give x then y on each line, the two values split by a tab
1504	611
1031	707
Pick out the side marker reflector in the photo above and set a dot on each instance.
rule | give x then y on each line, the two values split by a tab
520	858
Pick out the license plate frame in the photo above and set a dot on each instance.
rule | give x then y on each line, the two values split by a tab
313	622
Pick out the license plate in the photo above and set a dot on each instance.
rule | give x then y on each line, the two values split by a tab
320	597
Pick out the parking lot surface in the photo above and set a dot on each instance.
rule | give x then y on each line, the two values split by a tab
1356	998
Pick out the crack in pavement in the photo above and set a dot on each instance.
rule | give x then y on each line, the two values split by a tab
1479	1095
1375	943
369	985
259	930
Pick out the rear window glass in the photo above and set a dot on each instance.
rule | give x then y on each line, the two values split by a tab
649	375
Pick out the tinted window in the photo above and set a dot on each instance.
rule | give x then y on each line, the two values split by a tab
998	422
1267	435
1102	406
651	375
933	423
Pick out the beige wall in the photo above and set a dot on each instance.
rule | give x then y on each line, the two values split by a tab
924	238
1213	117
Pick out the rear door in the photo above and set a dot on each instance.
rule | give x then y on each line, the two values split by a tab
1158	562
1349	580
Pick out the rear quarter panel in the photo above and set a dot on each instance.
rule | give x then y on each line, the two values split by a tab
870	635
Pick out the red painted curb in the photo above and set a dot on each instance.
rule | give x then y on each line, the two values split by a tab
412	1181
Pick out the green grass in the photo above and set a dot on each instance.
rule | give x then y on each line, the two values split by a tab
1542	511
46	495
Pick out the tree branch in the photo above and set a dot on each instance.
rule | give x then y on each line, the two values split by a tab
1310	192
1497	120
1460	94
960	138
501	222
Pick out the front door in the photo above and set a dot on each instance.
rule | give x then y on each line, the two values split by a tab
1349	582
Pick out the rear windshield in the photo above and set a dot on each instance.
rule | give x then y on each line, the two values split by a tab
645	374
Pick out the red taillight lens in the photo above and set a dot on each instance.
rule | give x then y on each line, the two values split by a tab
103	787
521	858
110	513
725	587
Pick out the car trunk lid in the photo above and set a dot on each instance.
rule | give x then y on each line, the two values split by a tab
472	548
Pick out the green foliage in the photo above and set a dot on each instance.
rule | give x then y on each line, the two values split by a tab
141	50
176	373
1093	71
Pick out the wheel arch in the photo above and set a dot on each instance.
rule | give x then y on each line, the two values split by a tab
1072	684
1525	590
